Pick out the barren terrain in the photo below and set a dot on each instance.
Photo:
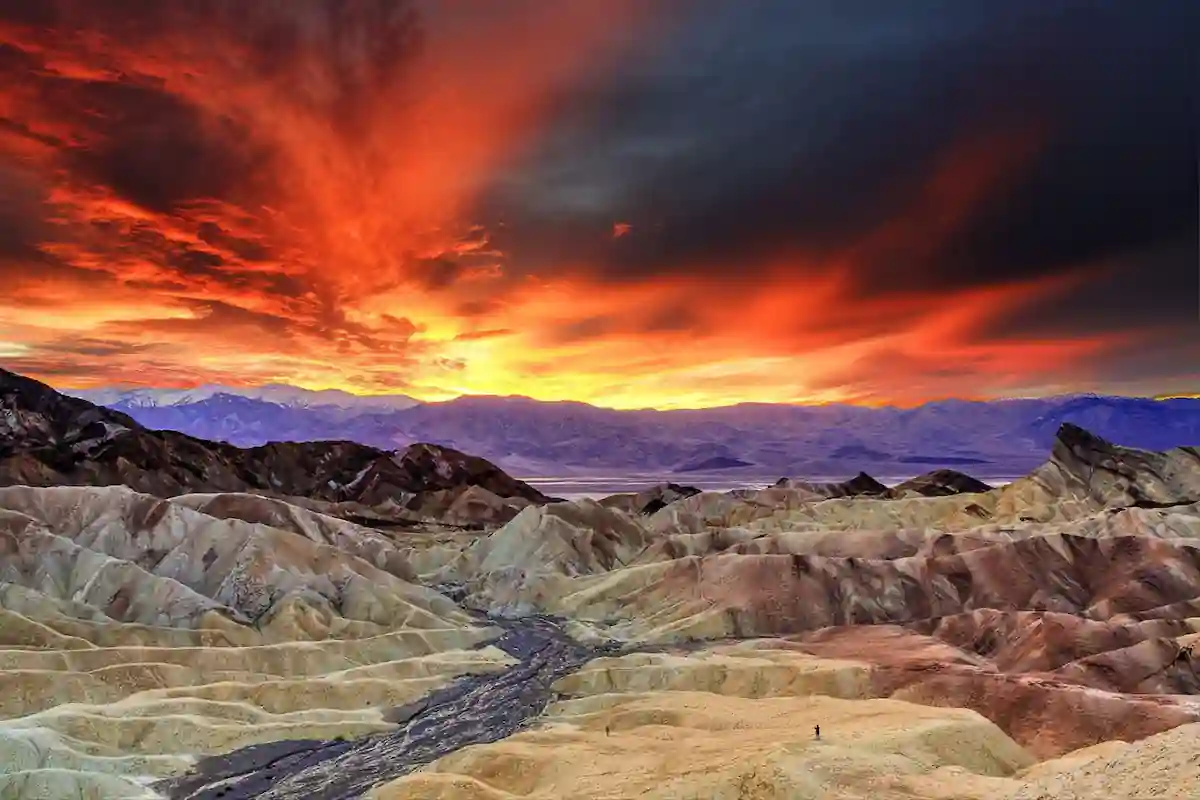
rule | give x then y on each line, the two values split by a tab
232	630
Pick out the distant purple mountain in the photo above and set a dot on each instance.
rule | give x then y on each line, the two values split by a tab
994	438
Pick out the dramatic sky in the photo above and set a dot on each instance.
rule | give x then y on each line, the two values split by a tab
628	202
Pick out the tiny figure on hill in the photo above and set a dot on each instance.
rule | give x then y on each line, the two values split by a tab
817	732
606	730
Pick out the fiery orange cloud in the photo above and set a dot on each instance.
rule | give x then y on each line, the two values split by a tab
335	248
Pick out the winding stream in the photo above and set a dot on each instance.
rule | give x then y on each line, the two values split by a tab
474	709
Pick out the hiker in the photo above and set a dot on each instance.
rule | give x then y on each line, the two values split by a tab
606	730
817	732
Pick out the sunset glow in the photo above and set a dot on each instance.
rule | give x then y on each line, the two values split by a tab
205	198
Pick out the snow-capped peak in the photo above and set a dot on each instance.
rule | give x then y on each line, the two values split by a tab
281	394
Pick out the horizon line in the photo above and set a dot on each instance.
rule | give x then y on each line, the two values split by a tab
659	409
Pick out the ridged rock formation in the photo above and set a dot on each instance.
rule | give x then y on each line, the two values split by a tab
138	633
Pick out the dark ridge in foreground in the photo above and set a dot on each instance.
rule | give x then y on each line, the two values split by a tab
474	710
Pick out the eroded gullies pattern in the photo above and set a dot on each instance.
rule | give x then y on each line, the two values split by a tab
126	651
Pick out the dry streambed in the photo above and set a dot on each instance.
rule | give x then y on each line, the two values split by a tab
474	710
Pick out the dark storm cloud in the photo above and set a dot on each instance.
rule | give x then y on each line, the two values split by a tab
22	12
757	128
145	144
469	309
158	151
95	348
677	317
154	147
436	273
360	43
581	329
25	226
195	261
1155	290
213	234
22	213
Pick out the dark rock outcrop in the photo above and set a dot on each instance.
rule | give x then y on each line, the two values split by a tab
649	500
939	483
662	496
1085	466
861	484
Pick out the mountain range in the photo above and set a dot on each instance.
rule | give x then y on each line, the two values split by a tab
998	438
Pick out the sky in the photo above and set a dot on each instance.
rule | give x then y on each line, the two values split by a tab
633	203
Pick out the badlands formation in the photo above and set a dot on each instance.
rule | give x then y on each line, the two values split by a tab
180	618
